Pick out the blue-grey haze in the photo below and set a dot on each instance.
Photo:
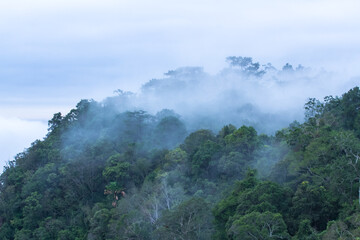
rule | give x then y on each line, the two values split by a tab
54	53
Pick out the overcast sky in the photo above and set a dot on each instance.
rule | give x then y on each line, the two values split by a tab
54	53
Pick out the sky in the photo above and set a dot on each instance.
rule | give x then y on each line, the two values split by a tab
54	53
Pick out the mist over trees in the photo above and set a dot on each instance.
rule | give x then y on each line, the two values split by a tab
111	170
243	93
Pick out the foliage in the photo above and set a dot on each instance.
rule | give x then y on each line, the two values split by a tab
257	225
190	220
101	173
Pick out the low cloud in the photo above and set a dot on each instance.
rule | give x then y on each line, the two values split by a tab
246	93
16	135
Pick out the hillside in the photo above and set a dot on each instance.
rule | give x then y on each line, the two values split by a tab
105	174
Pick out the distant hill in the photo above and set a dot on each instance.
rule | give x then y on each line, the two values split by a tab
102	173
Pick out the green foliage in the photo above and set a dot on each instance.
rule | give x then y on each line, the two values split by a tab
32	211
243	140
249	196
315	204
99	224
230	166
306	232
117	169
175	157
169	132
200	160
196	139
351	103
204	188
226	130
190	220
257	225
227	206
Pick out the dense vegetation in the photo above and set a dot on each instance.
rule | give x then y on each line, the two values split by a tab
103	174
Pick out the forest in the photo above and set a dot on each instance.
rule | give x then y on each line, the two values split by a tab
101	173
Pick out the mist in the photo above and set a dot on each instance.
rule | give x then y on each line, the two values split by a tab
56	53
243	93
16	135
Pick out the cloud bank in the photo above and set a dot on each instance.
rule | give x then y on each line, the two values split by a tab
54	53
16	135
245	92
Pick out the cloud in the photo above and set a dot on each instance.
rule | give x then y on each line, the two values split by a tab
16	135
265	98
61	51
180	32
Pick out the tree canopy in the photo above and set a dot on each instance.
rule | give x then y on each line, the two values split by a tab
104	174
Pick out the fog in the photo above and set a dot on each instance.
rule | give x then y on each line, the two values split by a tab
54	53
244	93
16	135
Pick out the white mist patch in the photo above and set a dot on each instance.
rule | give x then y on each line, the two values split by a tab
16	135
245	93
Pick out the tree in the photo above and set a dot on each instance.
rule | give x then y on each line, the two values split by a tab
288	68
313	203
226	130
117	169
175	157
202	157
313	109
136	125
195	140
351	105
257	225
306	232
169	132
188	221
350	145
32	211
246	65
99	223
55	122
231	166
243	140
